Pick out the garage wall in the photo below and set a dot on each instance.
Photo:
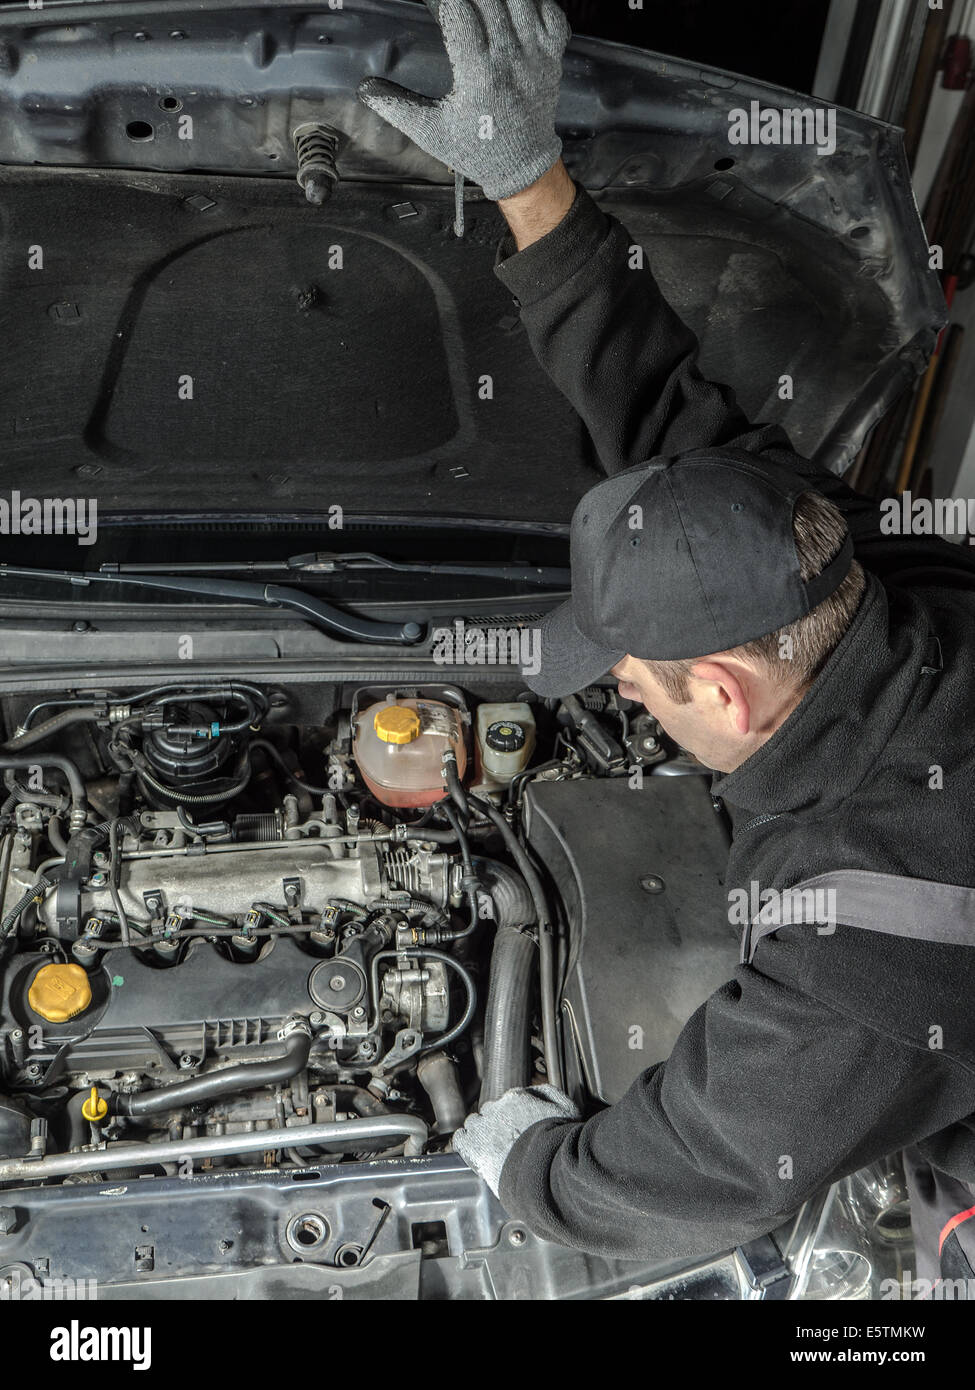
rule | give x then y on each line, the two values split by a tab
953	457
954	454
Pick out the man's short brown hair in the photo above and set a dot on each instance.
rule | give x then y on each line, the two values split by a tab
796	654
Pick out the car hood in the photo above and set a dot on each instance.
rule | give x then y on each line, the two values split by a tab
194	336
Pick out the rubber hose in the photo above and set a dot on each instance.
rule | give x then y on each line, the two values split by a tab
50	726
266	746
13	916
507	1020
79	1130
546	954
21	794
466	979
513	905
193	800
435	837
454	785
79	801
437	1075
219	689
56	837
248	1076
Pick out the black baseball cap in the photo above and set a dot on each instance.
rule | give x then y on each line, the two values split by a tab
678	558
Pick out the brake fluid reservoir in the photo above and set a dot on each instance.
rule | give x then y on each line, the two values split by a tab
399	747
505	739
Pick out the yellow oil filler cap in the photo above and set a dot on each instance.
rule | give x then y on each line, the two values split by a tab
59	992
397	724
94	1109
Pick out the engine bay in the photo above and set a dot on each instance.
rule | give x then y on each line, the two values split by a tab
250	926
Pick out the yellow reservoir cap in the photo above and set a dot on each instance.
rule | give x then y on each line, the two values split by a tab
94	1109
59	992
397	724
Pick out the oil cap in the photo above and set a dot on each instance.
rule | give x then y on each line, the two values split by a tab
505	737
397	724
59	992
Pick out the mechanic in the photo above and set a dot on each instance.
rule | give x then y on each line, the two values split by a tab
823	671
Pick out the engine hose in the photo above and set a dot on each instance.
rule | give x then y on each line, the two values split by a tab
417	953
13	916
79	1129
437	1075
507	1021
435	837
252	715
274	754
251	697
212	691
249	721
454	786
247	1076
79	801
430	910
56	837
465	1020
546	954
50	726
508	891
186	798
468	876
21	794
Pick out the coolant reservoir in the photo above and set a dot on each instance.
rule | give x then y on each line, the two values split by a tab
505	739
399	747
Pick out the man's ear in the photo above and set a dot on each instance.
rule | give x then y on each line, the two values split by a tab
723	690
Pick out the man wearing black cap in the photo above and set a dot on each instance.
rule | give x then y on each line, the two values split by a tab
826	673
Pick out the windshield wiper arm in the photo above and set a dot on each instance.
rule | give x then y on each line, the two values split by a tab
327	562
324	615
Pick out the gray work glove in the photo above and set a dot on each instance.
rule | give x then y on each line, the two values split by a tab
488	1137
497	126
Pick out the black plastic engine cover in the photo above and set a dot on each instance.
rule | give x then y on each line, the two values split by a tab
145	1014
641	874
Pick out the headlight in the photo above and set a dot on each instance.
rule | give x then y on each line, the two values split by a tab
853	1241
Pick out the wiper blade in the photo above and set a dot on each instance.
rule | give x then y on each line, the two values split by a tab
327	562
324	615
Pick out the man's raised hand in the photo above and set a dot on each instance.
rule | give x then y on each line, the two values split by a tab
497	124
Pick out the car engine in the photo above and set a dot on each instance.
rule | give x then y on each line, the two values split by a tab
247	925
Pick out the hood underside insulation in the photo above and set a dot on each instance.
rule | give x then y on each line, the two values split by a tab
210	342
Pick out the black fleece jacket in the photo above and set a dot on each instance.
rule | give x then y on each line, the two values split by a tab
829	1051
